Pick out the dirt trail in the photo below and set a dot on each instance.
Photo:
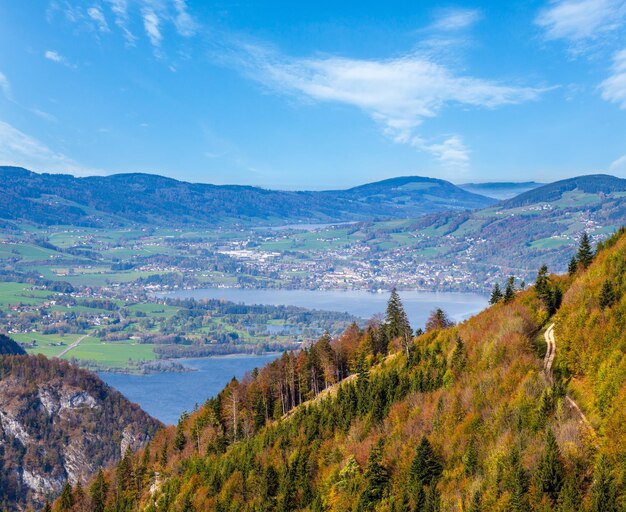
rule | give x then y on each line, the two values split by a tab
548	360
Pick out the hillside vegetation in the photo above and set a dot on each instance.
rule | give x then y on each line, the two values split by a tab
124	199
459	418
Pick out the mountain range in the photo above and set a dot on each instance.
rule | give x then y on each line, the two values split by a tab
49	199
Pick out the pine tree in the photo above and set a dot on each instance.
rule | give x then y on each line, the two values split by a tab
573	266
496	294
607	295
376	479
459	357
179	439
603	488
66	501
475	502
550	469
47	507
470	458
427	466
584	256
541	282
98	492
509	291
433	500
396	322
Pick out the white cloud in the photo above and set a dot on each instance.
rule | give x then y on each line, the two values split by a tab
398	93
456	19
618	165
614	88
96	14
151	25
578	20
17	148
185	23
120	12
58	58
43	114
5	86
451	152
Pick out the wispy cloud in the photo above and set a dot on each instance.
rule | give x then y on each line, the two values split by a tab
618	165
96	14
43	114
581	21
17	148
120	13
6	87
151	25
397	93
456	19
186	25
58	58
614	88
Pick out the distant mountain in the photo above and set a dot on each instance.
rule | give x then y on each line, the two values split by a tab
9	347
590	184
58	423
49	199
500	190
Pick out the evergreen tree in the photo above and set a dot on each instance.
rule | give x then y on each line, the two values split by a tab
396	322
541	282
603	488
496	294
47	507
459	357
433	500
509	291
179	438
427	466
98	492
475	502
376	479
573	266
570	495
607	295
66	501
550	469
584	256
470	458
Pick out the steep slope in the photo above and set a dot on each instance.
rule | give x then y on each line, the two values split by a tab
472	418
49	199
58	422
9	347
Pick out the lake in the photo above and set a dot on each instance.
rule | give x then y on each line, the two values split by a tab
166	395
361	303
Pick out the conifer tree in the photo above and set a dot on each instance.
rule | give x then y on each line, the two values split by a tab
66	501
98	492
470	458
396	322
438	319
584	256
607	295
376	479
496	294
509	291
459	357
603	488
179	438
427	466
475	502
573	266
47	507
433	500
550	469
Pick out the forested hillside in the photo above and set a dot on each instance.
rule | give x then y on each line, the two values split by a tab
59	423
467	417
131	199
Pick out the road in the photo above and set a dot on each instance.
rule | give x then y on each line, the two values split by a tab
548	360
73	345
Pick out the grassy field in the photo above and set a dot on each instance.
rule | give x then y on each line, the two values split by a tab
47	344
113	354
19	293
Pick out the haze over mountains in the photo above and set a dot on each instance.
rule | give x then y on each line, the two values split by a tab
49	199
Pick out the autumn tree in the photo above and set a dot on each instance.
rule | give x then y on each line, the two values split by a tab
438	319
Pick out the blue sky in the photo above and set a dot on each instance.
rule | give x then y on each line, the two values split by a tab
314	95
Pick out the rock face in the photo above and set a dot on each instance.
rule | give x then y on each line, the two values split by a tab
59	423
